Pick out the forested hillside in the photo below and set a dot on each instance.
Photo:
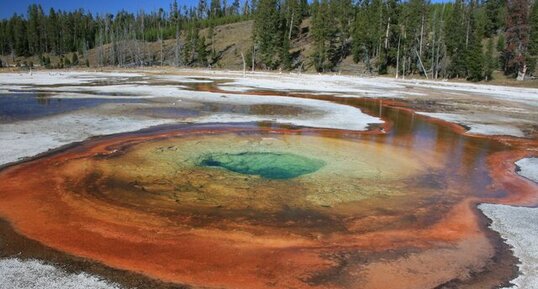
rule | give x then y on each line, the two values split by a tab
463	39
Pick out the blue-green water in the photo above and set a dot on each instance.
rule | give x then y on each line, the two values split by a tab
269	165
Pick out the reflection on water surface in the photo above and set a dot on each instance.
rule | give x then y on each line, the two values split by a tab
26	106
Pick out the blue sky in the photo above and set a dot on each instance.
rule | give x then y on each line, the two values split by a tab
8	7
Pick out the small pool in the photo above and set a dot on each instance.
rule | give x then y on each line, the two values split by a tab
269	165
25	106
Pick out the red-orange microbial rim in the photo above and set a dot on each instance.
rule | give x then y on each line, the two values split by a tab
381	210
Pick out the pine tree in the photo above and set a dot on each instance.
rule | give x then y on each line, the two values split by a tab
202	9
367	32
33	29
20	39
211	35
342	11
189	48
475	60
495	16
293	13
201	51
284	54
455	40
323	32
533	38
234	9
52	30
414	14
246	8
474	56
3	38
175	19
489	59
533	26
266	33
215	9
391	35
224	10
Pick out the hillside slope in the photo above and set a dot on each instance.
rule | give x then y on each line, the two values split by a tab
228	42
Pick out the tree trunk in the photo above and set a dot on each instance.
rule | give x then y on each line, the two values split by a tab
521	73
437	59
398	57
403	68
161	42
253	57
291	25
421	65
387	34
177	45
421	36
244	64
433	44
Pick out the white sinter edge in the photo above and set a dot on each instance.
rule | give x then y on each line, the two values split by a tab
480	123
61	77
332	115
528	168
29	138
519	227
356	86
34	274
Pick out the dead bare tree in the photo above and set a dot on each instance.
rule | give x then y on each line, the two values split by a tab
176	50
253	56
244	64
398	56
421	64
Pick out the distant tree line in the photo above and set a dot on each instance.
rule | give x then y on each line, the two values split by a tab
122	38
464	39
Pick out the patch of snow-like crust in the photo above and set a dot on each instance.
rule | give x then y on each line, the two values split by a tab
60	78
181	79
28	138
350	86
125	90
333	115
493	129
33	274
480	124
528	168
363	87
519	94
518	226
